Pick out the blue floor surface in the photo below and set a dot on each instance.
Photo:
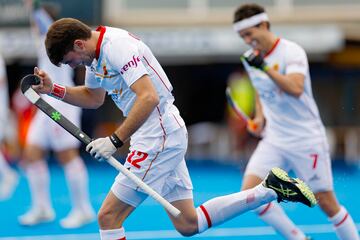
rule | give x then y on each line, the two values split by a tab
149	221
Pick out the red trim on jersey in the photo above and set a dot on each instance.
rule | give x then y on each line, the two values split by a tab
124	238
156	74
176	120
102	30
132	35
342	221
207	216
160	119
265	209
147	170
272	48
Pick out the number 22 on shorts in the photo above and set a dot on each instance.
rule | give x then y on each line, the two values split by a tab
135	157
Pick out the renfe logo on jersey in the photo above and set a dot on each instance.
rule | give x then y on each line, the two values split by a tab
131	63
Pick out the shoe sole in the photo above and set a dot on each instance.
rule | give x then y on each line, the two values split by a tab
304	189
83	223
40	221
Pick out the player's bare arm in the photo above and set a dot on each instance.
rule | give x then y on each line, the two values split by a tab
292	83
146	101
80	96
259	119
85	97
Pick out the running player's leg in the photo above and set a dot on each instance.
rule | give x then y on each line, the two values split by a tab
277	185
120	202
214	211
37	174
218	210
263	159
8	178
315	169
77	180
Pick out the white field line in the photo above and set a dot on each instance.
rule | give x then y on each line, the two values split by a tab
172	234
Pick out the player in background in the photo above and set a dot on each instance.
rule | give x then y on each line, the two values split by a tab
8	177
294	133
44	134
121	65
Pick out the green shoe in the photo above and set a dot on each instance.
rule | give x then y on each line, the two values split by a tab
289	189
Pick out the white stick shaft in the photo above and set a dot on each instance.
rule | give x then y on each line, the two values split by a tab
170	208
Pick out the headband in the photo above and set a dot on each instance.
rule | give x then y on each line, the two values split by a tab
250	22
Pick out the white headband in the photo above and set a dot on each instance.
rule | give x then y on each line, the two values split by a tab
250	22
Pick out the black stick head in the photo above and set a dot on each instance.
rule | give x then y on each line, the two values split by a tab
28	81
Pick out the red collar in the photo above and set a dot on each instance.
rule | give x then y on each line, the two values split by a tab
272	48
102	30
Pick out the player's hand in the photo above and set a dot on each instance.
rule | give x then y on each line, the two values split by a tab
101	148
45	85
256	60
255	126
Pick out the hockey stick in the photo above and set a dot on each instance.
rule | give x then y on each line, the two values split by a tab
35	98
238	110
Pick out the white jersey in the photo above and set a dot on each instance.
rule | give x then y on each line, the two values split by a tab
122	59
4	97
290	121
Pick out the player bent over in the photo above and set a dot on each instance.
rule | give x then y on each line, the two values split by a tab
295	136
121	65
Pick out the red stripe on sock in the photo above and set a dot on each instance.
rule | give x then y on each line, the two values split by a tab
343	220
207	216
265	209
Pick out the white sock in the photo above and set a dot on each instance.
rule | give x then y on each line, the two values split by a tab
37	174
221	209
113	234
344	225
4	166
77	181
275	216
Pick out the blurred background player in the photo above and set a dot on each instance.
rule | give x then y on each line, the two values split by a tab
295	136
45	134
8	177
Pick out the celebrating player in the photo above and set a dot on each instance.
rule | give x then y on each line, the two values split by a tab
120	64
41	138
8	177
294	134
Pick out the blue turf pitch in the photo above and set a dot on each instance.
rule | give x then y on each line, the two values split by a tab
149	221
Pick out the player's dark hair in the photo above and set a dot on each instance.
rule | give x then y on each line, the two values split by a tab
248	10
61	36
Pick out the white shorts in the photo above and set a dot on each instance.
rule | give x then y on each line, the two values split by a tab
312	164
47	134
160	163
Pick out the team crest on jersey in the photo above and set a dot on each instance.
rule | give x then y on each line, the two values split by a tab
103	65
117	91
276	67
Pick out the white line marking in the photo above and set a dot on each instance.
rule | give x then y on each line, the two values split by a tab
172	234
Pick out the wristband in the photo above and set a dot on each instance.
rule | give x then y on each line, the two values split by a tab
58	91
116	140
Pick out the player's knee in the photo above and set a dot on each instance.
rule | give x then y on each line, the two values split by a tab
187	228
328	204
105	218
